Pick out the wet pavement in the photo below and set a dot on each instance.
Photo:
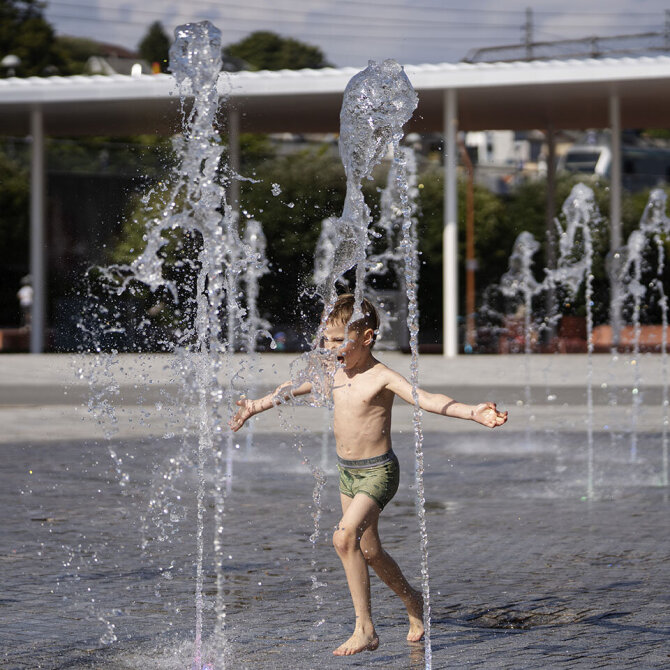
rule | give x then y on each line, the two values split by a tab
98	542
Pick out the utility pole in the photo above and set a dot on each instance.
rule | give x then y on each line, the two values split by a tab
666	31
528	33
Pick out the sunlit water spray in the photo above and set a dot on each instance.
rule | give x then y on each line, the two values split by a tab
398	203
215	261
520	280
654	226
580	220
574	268
256	244
377	103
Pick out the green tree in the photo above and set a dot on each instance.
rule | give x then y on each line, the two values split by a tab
494	237
264	50
155	46
24	32
14	195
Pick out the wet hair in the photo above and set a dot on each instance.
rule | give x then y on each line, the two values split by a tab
343	310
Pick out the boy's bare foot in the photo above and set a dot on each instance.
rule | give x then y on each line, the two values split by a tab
358	642
415	614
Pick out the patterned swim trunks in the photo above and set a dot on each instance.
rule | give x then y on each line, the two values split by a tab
376	477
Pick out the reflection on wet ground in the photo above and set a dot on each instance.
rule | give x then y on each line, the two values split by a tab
99	573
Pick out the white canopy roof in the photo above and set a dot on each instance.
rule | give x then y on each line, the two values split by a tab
521	95
616	93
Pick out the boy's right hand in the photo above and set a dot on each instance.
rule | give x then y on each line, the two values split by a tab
244	412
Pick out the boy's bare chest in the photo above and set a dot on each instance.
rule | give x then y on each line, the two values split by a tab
357	395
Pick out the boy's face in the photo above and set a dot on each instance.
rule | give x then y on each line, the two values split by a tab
350	346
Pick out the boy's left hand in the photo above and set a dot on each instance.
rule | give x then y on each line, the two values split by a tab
488	415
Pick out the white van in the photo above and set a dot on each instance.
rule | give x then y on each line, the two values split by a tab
641	167
595	159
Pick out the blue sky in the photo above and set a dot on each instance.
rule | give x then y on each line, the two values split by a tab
350	32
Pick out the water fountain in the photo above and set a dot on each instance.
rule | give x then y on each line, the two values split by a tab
377	103
574	268
613	557
388	259
576	238
520	280
220	260
654	226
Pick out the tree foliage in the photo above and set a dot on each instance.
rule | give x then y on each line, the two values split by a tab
14	198
155	46
264	50
24	32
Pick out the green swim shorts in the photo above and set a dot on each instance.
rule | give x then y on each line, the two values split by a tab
376	477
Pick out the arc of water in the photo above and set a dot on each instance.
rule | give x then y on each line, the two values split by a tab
520	279
377	102
195	60
398	203
257	265
655	223
409	248
632	276
574	266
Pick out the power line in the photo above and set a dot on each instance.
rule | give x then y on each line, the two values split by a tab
444	31
329	25
444	34
217	7
384	4
340	18
309	33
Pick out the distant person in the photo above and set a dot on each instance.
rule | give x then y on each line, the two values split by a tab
25	297
363	394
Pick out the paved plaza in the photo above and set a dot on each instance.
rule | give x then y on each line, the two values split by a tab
536	558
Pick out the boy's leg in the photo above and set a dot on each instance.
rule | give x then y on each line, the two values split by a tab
358	513
389	572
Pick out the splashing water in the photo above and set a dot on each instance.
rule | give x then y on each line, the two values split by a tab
398	202
519	279
257	266
199	216
656	225
574	267
631	277
324	254
377	102
409	248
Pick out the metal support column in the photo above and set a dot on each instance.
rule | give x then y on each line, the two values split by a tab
450	234
37	236
615	218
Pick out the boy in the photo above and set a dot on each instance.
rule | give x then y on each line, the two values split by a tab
363	393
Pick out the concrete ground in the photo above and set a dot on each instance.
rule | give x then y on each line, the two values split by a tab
537	559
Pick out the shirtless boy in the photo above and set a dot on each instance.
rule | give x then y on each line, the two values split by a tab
363	393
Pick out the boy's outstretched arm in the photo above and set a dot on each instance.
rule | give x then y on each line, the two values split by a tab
485	413
249	407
